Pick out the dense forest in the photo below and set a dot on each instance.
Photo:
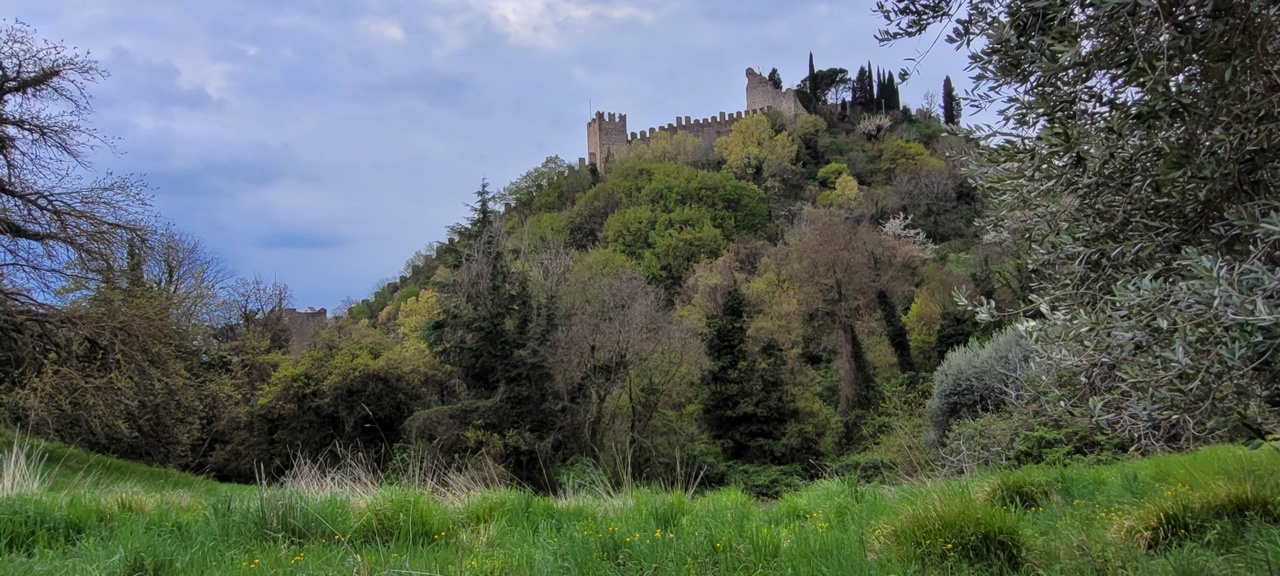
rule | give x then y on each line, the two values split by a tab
870	290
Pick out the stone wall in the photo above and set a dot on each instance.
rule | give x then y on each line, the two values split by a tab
303	325
706	129
607	135
762	94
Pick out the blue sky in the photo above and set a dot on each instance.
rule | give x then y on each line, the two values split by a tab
321	143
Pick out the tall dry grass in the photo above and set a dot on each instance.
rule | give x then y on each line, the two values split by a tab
22	469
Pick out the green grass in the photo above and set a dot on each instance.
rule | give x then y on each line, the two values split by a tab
1212	511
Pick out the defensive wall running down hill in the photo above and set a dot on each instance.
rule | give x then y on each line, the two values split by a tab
608	138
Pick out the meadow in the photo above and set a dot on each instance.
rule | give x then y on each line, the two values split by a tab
63	511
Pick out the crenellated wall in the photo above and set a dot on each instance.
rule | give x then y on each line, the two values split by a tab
607	136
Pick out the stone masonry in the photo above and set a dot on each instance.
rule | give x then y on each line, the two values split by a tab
303	325
762	95
608	139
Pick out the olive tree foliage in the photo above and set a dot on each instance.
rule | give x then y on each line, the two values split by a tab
58	220
1134	173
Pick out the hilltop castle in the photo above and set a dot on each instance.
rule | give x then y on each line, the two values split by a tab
607	136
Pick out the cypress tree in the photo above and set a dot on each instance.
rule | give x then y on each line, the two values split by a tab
864	90
728	375
747	403
881	93
809	79
950	103
896	331
775	78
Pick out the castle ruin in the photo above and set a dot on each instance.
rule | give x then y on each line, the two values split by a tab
608	139
303	325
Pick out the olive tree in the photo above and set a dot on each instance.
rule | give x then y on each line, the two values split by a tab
1134	173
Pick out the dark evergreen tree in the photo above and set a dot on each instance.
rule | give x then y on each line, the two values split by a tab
491	331
864	90
809	78
950	103
892	101
728	375
747	404
879	106
896	331
955	330
887	101
775	78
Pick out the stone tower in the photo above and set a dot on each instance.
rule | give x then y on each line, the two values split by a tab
303	325
761	95
606	138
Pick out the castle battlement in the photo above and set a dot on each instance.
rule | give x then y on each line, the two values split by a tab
719	125
607	136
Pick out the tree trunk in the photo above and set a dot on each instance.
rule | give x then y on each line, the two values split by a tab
855	373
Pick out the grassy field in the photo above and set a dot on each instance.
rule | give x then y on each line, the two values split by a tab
1211	512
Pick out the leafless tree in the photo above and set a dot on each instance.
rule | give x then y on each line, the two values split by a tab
929	106
838	264
179	266
618	356
250	315
250	298
59	221
927	193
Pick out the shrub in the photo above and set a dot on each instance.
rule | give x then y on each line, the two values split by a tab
1186	515
829	174
903	445
980	443
956	529
763	480
1025	438
865	467
1021	490
974	380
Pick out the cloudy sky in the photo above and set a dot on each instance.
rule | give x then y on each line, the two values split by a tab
321	143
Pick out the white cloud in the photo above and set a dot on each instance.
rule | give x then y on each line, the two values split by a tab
204	74
388	29
542	22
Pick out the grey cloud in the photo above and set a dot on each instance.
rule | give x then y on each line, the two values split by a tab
140	80
300	240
